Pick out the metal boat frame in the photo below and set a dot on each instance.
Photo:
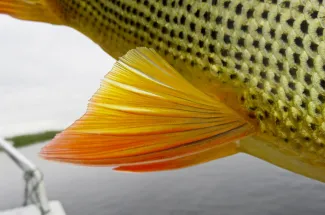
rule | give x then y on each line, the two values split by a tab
35	192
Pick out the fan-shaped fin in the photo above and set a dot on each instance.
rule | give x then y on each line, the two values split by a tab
145	112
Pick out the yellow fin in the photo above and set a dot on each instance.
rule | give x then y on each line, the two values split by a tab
32	10
217	152
146	112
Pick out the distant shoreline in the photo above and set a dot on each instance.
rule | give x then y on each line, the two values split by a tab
29	139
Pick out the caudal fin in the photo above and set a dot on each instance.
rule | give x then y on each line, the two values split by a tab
147	117
32	10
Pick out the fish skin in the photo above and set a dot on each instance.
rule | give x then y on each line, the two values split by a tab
266	59
240	44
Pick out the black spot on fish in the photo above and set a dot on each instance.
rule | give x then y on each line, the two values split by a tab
259	30
292	85
214	34
265	14
239	9
211	60
233	76
322	83
219	20
284	37
270	101
224	52
265	61
250	13
282	51
189	38
280	66
207	16
260	85
310	63
211	48
313	46
226	38
277	78
189	8
268	47
201	43
230	24
306	92
226	4
256	43
312	126
197	13
314	14
296	58
298	41
241	42
272	33
238	55
274	91
293	72
244	28
285	4
278	18
304	26
290	21
321	98
183	20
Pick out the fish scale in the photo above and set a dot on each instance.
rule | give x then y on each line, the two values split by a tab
272	51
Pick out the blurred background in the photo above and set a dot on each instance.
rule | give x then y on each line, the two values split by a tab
47	75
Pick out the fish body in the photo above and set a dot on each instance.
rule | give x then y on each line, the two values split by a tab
264	60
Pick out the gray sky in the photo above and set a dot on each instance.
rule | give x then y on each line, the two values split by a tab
47	75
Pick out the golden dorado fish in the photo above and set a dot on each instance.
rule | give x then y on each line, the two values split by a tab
214	78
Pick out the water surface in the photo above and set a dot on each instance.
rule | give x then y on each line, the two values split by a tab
236	185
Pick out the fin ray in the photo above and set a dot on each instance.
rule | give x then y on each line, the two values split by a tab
146	113
201	157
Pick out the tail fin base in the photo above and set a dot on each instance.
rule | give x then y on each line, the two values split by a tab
284	158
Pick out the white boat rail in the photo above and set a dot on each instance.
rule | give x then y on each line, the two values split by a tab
35	192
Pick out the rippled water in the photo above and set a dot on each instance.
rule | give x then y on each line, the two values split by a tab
236	185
